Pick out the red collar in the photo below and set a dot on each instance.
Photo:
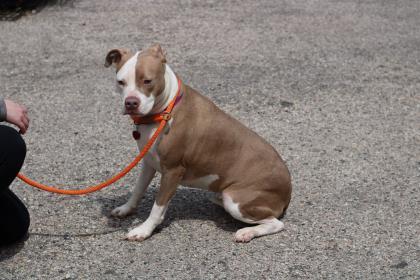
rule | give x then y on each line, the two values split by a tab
165	115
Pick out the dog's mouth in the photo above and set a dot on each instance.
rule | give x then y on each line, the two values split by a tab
132	113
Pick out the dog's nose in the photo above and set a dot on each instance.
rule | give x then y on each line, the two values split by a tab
132	103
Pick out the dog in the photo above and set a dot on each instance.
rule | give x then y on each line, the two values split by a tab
201	147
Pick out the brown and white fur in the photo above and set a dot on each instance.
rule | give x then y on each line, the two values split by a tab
201	147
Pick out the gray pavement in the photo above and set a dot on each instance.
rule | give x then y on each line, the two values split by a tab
333	85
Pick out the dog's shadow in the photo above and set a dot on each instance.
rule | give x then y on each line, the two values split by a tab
187	204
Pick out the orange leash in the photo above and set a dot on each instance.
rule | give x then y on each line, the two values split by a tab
166	116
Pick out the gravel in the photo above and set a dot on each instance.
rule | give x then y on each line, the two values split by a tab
333	85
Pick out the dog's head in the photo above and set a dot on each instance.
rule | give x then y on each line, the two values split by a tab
140	77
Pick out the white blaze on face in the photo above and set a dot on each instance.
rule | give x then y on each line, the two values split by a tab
127	73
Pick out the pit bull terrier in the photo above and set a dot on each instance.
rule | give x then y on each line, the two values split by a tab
200	147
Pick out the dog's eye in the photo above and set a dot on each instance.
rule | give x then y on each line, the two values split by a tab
147	82
121	83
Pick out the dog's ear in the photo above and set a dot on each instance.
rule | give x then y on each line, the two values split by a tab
157	51
117	57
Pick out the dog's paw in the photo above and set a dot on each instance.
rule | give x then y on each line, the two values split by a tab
140	233
244	235
123	211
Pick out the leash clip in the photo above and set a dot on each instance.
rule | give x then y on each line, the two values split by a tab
166	116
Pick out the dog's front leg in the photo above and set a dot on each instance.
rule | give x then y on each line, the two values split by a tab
146	175
169	183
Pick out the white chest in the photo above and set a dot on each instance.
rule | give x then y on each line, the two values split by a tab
152	157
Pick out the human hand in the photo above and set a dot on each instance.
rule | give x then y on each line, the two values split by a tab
17	114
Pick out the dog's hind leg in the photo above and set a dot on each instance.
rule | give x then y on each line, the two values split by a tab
269	224
146	175
265	227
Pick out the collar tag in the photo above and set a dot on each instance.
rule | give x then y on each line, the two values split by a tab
136	132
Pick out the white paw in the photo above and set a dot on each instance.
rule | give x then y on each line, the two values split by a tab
123	211
140	233
244	235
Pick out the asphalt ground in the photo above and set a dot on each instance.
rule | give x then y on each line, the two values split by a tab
332	85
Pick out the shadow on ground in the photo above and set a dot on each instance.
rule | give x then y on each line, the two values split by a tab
188	204
7	252
11	10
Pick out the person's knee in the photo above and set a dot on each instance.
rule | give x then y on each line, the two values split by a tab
20	148
12	155
13	144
